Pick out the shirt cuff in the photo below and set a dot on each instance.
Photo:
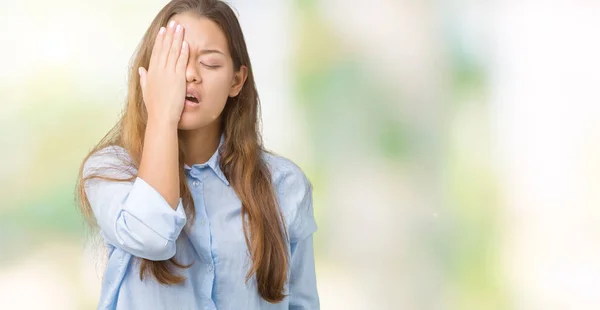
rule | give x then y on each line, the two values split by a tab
150	207
305	228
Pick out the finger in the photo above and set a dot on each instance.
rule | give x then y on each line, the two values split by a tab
142	73
158	42
183	58
175	47
166	46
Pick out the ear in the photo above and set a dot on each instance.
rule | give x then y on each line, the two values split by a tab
239	78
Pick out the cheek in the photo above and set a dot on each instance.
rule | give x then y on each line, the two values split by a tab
216	90
217	85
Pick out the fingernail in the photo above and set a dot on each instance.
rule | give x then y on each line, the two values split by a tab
140	70
178	28
184	46
162	30
171	24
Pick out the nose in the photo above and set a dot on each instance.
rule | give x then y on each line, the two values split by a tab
191	74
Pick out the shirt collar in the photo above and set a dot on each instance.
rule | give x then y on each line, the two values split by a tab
213	163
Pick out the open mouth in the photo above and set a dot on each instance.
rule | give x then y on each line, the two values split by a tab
191	98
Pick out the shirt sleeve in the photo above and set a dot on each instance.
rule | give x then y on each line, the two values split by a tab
303	283
295	193
132	216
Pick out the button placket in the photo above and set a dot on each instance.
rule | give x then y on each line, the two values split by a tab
197	183
201	214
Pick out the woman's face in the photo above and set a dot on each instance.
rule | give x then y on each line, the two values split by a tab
209	71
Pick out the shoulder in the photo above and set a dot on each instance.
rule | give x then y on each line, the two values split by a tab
285	174
112	157
294	194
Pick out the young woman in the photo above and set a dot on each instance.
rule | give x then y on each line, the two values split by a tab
195	213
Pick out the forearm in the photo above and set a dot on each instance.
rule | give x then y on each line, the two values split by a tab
159	165
132	216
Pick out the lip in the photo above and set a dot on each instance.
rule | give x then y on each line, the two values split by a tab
190	90
191	104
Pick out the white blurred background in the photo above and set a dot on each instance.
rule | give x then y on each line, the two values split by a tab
453	145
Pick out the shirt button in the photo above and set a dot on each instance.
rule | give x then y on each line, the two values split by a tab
210	268
202	221
196	183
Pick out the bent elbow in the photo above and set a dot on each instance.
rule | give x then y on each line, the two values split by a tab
140	240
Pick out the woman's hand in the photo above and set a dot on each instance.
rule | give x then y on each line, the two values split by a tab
164	83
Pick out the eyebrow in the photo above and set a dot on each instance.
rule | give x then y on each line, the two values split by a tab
208	51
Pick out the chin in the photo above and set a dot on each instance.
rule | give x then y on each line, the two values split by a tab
189	123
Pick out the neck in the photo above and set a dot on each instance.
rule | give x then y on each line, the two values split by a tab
199	144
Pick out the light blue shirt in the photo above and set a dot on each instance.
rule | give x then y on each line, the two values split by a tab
136	221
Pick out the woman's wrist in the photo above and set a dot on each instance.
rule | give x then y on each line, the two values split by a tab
163	122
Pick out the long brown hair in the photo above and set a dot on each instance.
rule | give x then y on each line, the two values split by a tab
240	156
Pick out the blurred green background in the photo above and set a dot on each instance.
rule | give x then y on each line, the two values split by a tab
453	145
